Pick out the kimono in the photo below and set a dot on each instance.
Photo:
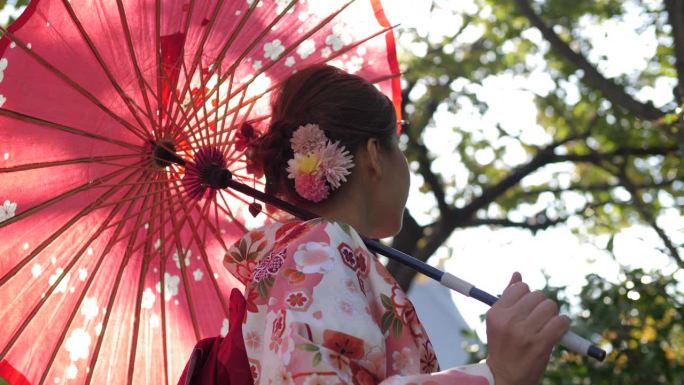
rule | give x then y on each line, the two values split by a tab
320	309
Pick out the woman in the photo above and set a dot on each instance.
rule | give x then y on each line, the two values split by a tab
320	308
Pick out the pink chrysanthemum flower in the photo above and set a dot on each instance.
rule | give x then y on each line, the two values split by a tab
335	162
307	138
311	187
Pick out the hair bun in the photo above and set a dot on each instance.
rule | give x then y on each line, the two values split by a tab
270	153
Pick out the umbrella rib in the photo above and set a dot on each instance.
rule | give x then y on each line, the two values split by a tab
338	53
205	36
192	103
232	150
52	288
232	128
289	49
59	198
56	234
184	31
157	45
162	291
128	101
38	121
112	297
216	110
132	183
135	130
39	305
193	230
230	41
145	195
220	132
138	302
149	236
226	210
57	163
178	226
134	60
181	263
223	51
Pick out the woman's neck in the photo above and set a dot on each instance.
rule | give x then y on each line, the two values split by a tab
347	207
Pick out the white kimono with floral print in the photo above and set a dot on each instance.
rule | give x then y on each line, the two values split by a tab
322	310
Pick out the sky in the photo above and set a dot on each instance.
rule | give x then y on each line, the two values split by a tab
487	257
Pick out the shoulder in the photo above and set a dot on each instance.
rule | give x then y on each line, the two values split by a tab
255	247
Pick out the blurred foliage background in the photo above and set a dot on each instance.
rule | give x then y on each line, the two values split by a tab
610	157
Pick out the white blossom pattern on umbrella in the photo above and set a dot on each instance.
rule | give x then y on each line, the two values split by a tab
99	182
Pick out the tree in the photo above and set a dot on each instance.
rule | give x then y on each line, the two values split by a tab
619	148
640	323
622	152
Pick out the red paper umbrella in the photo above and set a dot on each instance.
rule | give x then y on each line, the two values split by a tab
111	244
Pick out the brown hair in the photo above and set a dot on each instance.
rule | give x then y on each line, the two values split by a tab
346	107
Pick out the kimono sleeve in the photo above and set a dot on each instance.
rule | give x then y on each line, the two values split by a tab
322	326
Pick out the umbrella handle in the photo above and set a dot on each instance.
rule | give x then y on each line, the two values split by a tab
222	178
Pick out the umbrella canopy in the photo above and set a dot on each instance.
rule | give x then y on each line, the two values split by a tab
110	250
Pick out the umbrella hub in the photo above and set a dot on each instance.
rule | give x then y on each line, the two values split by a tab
163	154
207	172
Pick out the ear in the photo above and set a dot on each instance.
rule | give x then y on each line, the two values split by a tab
373	154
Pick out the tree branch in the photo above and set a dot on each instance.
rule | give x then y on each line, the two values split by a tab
613	92
649	218
406	241
595	157
537	223
423	156
675	15
541	221
595	187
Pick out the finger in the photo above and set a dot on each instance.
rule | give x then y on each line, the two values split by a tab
527	304
516	277
512	294
554	329
541	314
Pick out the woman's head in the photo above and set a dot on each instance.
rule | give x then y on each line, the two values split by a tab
351	111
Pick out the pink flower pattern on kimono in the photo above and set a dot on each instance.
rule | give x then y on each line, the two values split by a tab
329	312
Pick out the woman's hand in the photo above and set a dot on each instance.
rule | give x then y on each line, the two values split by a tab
522	328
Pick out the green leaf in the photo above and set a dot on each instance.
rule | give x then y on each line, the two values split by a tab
237	257
263	289
386	302
308	347
396	327
317	359
386	321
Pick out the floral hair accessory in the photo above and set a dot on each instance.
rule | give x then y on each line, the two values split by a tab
316	161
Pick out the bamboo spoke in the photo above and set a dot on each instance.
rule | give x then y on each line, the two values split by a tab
112	297
181	257
128	101
203	253
222	53
71	130
86	186
141	283
135	130
49	292
134	61
255	98
57	163
287	50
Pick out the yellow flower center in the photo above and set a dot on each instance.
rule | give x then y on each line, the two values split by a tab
308	164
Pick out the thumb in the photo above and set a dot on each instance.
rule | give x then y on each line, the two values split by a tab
515	278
